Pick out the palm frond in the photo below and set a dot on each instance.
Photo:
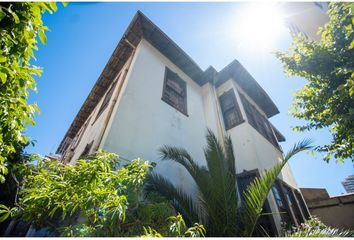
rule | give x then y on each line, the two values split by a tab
200	174
181	156
181	200
299	147
221	200
257	192
229	154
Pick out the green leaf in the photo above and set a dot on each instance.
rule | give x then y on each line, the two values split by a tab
351	91
14	15
42	37
351	46
5	211
64	4
4	217
3	77
53	5
2	14
2	59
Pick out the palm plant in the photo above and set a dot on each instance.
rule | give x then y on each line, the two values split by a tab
217	205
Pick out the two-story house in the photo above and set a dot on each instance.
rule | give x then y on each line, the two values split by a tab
151	93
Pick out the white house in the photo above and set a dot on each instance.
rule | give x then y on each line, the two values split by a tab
151	93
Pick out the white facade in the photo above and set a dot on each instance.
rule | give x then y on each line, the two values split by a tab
137	122
305	18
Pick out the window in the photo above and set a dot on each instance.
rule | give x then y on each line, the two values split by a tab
174	91
230	109
293	204
259	122
282	205
87	149
243	180
266	221
106	99
302	204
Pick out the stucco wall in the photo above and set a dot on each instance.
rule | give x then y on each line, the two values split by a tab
252	150
142	122
95	126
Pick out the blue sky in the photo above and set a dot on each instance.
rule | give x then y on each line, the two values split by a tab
83	36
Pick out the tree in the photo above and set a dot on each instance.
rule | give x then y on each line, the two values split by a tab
217	205
99	196
327	100
20	24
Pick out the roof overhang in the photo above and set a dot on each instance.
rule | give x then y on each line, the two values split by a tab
244	79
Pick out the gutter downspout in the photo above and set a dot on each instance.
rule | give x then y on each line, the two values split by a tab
117	93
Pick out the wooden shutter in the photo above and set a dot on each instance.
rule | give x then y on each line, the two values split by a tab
175	91
230	109
258	121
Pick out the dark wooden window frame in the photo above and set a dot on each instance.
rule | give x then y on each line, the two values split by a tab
235	107
255	173
169	74
292	191
259	122
280	184
296	202
87	149
302	204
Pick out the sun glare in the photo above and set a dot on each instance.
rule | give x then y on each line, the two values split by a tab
258	26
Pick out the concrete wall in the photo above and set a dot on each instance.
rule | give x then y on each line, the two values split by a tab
142	122
337	211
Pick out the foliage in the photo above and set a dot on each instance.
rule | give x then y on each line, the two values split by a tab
257	192
99	196
178	228
217	205
20	24
328	66
8	189
315	228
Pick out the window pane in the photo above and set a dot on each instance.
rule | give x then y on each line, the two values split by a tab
293	204
258	121
282	207
227	101
174	91
175	86
302	204
230	109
